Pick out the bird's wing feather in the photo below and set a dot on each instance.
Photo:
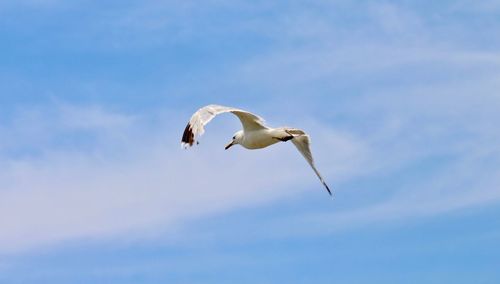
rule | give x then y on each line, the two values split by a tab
196	125
302	142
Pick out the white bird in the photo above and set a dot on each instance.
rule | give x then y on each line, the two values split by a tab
255	134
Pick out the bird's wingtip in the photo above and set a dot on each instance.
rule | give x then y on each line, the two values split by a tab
328	189
188	136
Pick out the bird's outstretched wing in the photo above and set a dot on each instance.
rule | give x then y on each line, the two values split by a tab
302	142
196	125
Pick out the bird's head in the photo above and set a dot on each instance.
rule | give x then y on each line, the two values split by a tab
237	137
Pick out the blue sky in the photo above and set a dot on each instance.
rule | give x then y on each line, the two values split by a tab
400	98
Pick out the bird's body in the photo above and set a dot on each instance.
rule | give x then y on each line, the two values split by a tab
257	139
262	138
255	134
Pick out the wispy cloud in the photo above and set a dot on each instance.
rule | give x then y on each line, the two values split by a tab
444	134
64	194
73	172
485	7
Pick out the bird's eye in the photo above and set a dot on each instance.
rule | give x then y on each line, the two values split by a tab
234	137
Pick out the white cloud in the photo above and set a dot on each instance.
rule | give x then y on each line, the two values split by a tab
92	118
394	19
128	177
451	117
462	186
450	192
147	186
468	6
143	183
448	130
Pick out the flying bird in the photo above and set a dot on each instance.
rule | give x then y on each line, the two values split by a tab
255	134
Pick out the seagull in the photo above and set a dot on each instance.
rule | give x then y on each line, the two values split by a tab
255	134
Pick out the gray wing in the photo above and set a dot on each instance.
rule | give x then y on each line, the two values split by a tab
196	125
302	142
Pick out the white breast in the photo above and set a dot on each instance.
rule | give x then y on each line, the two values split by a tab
258	139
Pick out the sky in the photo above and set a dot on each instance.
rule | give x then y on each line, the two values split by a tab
400	99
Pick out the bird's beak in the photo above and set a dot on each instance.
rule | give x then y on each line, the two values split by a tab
229	145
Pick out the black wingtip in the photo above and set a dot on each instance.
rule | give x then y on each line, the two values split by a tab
328	189
188	135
